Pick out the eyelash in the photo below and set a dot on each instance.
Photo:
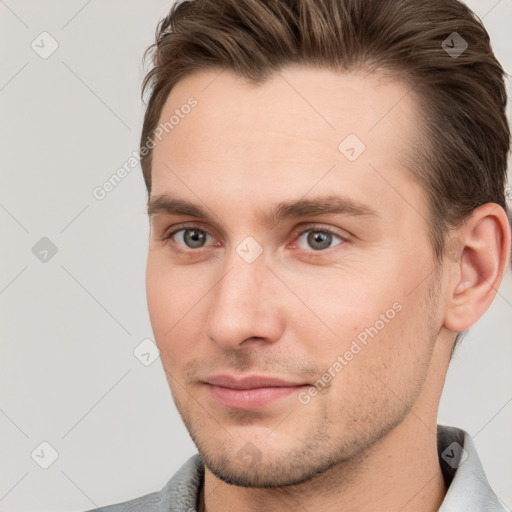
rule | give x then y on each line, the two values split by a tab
296	234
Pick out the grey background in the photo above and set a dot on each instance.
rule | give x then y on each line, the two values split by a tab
70	325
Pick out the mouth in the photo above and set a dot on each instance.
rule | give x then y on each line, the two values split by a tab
251	392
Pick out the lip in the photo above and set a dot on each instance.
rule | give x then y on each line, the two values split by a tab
250	382
250	392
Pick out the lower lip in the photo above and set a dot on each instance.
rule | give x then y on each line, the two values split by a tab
250	399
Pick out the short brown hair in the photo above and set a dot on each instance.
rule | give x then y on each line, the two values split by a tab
461	157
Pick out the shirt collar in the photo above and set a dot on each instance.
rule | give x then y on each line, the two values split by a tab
468	488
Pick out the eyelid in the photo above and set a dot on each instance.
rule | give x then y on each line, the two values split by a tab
169	233
320	227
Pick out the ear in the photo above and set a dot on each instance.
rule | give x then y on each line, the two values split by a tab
477	256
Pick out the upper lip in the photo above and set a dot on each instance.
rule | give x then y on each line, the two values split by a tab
249	382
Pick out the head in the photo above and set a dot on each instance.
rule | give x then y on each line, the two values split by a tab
327	206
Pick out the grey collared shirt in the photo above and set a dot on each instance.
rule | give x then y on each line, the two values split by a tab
468	488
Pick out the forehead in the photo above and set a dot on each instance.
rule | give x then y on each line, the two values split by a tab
285	136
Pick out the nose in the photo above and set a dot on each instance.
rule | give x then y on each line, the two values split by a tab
243	305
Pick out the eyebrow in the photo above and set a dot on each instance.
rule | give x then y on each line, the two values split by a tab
323	205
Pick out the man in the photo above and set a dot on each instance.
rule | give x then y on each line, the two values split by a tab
326	184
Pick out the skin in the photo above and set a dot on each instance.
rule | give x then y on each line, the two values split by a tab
368	440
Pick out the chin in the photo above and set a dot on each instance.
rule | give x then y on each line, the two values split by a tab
244	470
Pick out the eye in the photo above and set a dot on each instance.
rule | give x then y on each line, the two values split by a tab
318	239
191	238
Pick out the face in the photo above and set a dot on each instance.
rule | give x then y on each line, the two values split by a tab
289	275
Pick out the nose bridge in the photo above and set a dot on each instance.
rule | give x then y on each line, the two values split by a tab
238	289
241	304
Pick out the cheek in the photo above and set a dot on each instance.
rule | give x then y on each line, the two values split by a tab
172	302
333	307
392	363
357	324
378	378
160	295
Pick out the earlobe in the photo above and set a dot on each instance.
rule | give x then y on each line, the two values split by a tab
477	265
